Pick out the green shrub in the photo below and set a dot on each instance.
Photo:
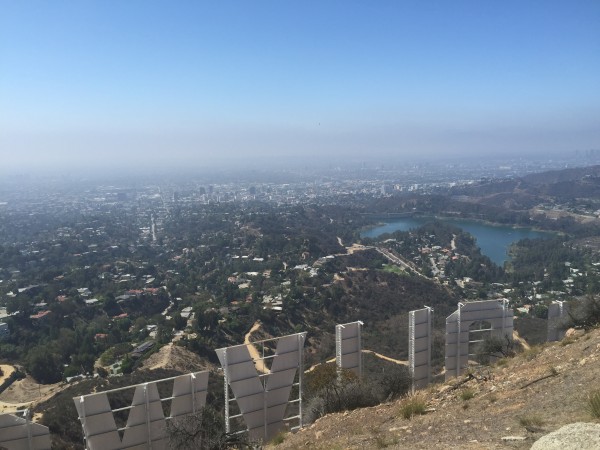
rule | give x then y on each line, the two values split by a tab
329	392
393	383
278	439
493	348
382	441
203	430
531	421
467	394
593	403
413	405
532	352
584	314
502	362
567	341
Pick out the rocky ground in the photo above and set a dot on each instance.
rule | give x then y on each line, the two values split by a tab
513	404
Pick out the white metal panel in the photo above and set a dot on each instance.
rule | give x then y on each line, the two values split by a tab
235	354
255	418
281	379
249	386
422	331
421	344
285	361
190	393
145	421
496	312
242	370
276	413
250	403
98	422
350	361
262	406
421	372
278	396
350	345
481	305
288	343
15	444
146	406
556	311
12	427
349	330
421	359
17	433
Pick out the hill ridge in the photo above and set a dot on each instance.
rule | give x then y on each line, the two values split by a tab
514	403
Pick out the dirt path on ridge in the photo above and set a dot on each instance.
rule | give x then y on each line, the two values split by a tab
387	358
371	352
7	371
258	362
162	357
26	392
520	340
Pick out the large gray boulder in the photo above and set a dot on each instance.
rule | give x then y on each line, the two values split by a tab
576	436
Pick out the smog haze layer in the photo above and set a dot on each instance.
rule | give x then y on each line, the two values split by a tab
135	86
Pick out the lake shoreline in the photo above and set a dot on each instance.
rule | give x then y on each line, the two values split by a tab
493	239
366	228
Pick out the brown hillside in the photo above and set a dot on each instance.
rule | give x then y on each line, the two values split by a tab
510	409
177	358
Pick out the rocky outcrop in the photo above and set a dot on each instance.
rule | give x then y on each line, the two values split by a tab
576	436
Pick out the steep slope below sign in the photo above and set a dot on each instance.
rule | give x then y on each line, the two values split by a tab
512	405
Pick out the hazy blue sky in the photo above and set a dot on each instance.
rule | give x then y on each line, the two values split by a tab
186	82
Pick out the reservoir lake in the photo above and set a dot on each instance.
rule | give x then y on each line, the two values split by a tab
493	240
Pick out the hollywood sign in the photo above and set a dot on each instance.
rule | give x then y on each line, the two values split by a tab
556	313
146	423
257	395
263	399
348	347
19	433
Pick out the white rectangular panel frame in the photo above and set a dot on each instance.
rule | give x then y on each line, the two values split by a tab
419	347
146	423
496	312
348	347
263	399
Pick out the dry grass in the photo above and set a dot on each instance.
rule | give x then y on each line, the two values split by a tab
467	394
531	421
567	341
278	438
532	352
593	403
413	405
502	362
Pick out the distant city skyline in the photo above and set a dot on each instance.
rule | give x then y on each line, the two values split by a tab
89	85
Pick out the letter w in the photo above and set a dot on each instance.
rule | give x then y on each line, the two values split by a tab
145	426
262	406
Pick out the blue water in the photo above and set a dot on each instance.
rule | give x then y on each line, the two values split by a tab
493	240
